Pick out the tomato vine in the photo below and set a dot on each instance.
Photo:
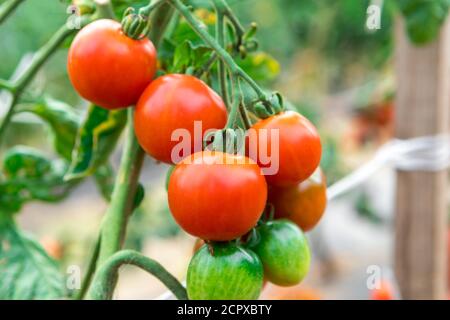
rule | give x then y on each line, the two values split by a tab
86	147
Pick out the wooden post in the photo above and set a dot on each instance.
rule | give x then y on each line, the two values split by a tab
422	108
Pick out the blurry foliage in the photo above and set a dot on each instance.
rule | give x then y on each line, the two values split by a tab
28	174
60	117
27	271
423	18
335	28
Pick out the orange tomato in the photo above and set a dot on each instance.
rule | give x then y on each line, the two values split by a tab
303	204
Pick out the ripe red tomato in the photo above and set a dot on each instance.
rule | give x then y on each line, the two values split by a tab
108	68
303	204
174	102
299	144
217	196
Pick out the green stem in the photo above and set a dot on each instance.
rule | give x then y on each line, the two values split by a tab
122	199
244	116
104	9
201	30
90	271
223	7
8	8
232	116
161	18
7	119
220	37
153	4
40	57
5	84
106	277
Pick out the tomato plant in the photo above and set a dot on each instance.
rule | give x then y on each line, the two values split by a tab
304	204
175	102
299	147
284	252
215	192
217	196
227	272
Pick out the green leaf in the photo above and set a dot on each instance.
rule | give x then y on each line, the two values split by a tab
424	18
30	175
96	139
27	272
187	55
62	119
140	194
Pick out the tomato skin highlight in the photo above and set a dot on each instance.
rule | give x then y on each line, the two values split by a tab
304	204
108	68
231	273
174	102
213	196
284	252
300	148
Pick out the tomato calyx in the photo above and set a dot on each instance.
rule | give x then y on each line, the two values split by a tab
270	106
135	25
226	140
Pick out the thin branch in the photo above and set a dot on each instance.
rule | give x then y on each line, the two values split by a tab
220	37
90	271
104	9
106	277
201	30
7	85
121	205
40	57
7	8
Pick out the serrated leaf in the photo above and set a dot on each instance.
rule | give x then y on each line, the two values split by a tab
27	272
188	55
62	119
96	139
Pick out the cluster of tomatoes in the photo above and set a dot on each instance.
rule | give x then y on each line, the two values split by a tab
252	224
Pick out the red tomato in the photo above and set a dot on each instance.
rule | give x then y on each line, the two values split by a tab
303	204
299	147
174	102
108	68
217	196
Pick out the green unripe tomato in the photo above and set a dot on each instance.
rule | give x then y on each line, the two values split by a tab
284	252
230	273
